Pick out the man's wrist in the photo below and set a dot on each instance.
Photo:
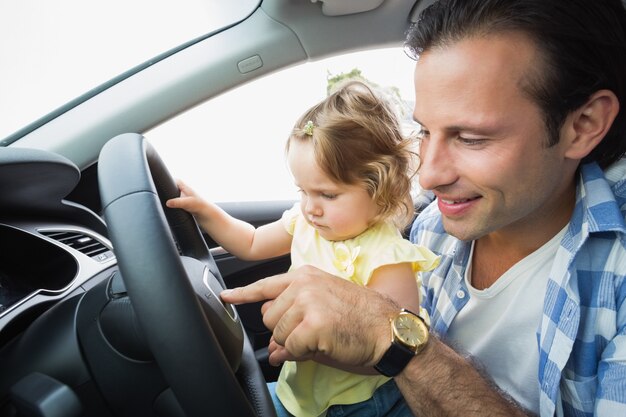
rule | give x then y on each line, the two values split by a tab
407	337
382	332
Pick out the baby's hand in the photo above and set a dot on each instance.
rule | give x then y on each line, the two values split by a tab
203	211
187	201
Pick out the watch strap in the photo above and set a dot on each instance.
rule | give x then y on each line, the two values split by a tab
395	359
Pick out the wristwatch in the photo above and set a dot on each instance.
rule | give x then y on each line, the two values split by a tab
409	335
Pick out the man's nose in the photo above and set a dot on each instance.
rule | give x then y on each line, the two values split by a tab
437	166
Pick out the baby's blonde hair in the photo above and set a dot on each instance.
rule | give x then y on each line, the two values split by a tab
357	140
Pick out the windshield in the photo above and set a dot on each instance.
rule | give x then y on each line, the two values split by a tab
54	52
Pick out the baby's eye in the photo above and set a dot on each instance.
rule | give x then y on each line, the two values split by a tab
329	196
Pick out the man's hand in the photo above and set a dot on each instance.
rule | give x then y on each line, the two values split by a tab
317	316
278	354
312	314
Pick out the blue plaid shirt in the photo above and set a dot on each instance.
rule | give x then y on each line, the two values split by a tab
582	335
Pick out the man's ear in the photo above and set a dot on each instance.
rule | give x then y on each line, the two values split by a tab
585	128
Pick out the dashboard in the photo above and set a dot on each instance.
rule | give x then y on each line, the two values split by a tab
70	336
50	248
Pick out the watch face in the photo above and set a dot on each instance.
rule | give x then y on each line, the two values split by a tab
410	330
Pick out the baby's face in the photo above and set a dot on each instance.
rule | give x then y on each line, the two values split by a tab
338	211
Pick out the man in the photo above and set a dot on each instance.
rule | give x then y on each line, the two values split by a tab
519	102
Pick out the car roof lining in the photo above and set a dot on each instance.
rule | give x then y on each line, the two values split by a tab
147	98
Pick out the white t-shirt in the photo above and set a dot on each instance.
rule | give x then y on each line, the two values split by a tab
508	312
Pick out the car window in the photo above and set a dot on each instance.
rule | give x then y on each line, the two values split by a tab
232	147
53	52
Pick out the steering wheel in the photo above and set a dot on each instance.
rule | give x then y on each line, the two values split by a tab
173	284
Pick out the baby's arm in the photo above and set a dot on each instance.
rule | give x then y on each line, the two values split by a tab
398	282
236	236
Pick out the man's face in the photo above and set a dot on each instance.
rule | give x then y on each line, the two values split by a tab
483	150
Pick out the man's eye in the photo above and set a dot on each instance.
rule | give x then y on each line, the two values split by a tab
422	133
471	142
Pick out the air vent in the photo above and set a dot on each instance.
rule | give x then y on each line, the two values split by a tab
82	243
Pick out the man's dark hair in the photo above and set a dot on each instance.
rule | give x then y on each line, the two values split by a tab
582	45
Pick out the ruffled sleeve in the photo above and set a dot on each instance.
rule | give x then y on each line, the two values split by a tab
289	218
392	249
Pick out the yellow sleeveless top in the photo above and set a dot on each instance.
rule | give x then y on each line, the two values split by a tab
308	388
